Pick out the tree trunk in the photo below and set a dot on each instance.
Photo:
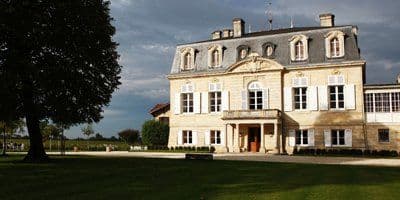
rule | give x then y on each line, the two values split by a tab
36	151
4	141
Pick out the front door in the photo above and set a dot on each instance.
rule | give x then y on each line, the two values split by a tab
254	139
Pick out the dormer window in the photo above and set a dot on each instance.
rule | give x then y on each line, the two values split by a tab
335	48
215	56
299	48
334	44
299	51
243	51
187	59
215	59
268	50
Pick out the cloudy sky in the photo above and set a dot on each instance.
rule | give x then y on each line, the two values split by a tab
148	31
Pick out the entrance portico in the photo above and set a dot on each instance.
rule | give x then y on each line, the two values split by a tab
253	131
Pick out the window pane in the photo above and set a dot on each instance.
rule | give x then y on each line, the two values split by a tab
298	137
334	137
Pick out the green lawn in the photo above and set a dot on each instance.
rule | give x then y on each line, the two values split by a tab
139	178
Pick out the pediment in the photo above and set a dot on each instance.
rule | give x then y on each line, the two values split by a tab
254	63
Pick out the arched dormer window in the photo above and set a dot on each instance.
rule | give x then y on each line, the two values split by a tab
334	44
187	59
215	56
242	52
268	50
299	48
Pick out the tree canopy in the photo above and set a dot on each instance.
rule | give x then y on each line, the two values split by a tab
57	61
130	136
155	133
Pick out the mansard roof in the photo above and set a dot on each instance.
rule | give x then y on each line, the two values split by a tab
280	38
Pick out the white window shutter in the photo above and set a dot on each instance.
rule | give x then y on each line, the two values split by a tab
223	142
350	96
180	138
288	99
244	100
292	138
196	102
194	137
311	139
225	100
207	137
327	137
204	102
177	104
312	98
265	97
348	137
323	97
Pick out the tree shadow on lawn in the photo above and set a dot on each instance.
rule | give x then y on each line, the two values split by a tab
146	178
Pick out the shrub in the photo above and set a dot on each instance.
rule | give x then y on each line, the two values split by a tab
155	133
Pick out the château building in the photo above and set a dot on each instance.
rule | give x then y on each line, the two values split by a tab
277	90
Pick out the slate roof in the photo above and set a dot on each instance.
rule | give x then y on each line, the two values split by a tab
280	38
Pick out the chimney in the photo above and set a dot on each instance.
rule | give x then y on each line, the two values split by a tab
327	20
238	27
216	35
398	79
226	33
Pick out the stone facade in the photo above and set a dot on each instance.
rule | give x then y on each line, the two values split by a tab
269	101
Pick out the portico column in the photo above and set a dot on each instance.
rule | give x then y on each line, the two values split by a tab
225	142
262	139
236	139
276	142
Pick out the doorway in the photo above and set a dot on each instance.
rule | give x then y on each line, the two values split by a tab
254	139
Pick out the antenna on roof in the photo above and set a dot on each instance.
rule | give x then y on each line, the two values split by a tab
268	12
291	22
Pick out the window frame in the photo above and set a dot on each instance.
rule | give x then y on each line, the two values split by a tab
299	51
256	97
187	137
338	137
216	136
337	101
187	107
335	48
215	96
301	135
302	93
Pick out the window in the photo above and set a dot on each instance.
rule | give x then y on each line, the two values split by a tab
255	100
187	61
301	137
299	51
215	137
383	135
335	48
369	102
395	101
338	137
336	95
382	103
187	102
215	62
187	137
300	98
215	101
243	53
269	51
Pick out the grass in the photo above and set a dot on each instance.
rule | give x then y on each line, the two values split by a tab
140	178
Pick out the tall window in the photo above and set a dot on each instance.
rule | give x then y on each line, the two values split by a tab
383	135
269	50
338	137
300	98
299	51
215	101
215	62
301	137
369	102
187	102
336	95
255	100
187	61
215	137
187	137
335	48
395	101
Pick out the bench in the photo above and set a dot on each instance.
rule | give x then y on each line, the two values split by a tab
199	156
